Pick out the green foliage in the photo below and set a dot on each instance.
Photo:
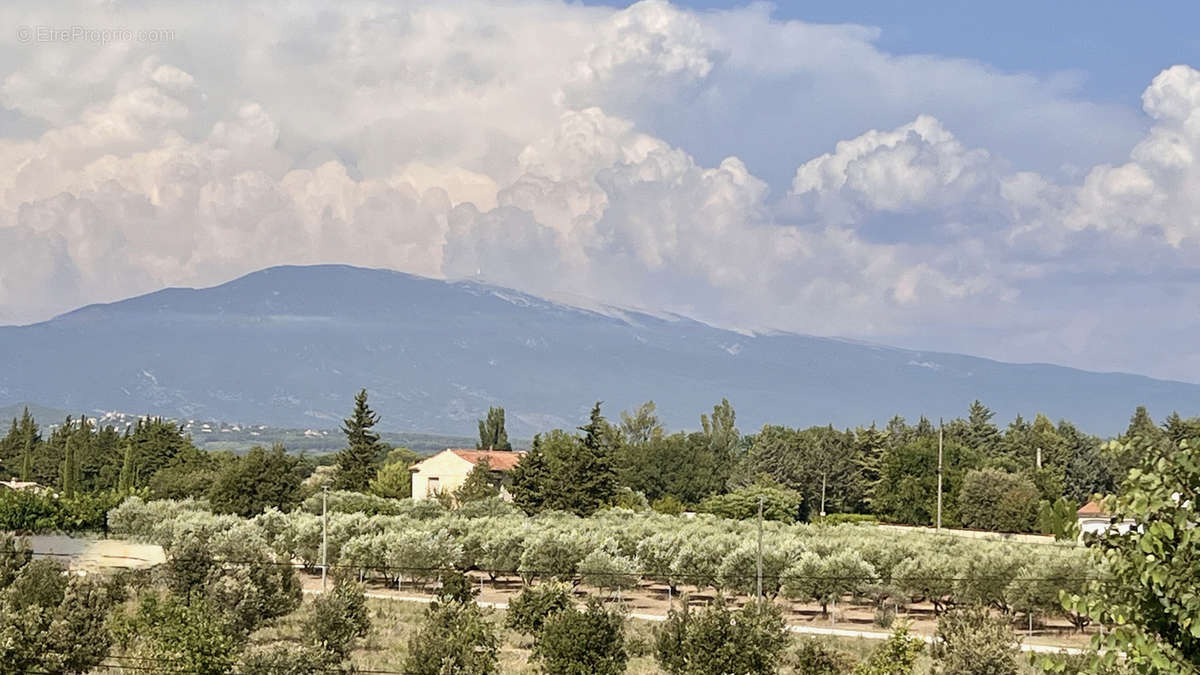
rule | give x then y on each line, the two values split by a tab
684	467
356	463
33	512
479	485
972	642
43	615
1147	595
587	642
492	434
817	657
454	639
718	640
568	473
1059	519
282	658
193	636
907	488
606	568
991	499
456	587
528	611
897	656
825	579
668	505
804	459
394	480
778	503
248	485
336	619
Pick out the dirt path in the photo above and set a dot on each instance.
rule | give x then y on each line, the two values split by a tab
312	585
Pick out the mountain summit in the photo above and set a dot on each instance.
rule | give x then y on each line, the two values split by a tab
289	346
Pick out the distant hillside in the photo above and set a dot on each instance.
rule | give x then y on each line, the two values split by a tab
41	413
288	347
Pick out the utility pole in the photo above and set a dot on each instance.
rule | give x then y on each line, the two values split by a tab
324	534
824	475
1039	459
939	498
759	593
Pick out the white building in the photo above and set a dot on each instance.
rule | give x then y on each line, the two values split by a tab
447	470
1093	519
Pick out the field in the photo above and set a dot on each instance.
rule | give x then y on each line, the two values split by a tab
851	577
393	624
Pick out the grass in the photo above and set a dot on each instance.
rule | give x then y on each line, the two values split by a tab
393	623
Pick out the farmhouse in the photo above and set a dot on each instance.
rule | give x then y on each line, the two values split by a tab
447	470
1093	519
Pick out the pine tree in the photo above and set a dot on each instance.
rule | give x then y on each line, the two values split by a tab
591	474
356	463
530	478
981	435
492	434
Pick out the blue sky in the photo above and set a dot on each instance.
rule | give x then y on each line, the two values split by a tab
1013	180
1114	47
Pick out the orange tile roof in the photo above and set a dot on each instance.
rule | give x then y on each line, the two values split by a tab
499	460
1092	508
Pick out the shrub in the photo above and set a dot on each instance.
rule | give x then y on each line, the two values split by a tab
24	511
816	657
669	505
337	618
971	642
53	623
884	617
826	579
897	656
604	569
582	643
699	560
834	519
454	639
991	499
530	609
778	503
456	587
553	555
739	569
282	658
718	640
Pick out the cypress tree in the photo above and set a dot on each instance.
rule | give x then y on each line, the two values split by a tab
492	434
126	481
356	463
68	470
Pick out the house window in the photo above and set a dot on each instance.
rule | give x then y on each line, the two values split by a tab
431	486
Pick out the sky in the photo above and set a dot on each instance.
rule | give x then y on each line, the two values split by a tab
1019	182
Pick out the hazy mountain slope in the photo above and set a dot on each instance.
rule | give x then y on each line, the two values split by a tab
289	346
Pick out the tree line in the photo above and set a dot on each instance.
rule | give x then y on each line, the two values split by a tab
1028	475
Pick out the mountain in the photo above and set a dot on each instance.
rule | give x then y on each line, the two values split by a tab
289	347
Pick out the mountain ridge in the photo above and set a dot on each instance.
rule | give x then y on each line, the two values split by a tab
289	345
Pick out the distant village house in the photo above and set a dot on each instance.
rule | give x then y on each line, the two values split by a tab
446	471
1094	519
21	486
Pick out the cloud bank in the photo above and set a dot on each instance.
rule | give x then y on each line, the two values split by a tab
751	172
